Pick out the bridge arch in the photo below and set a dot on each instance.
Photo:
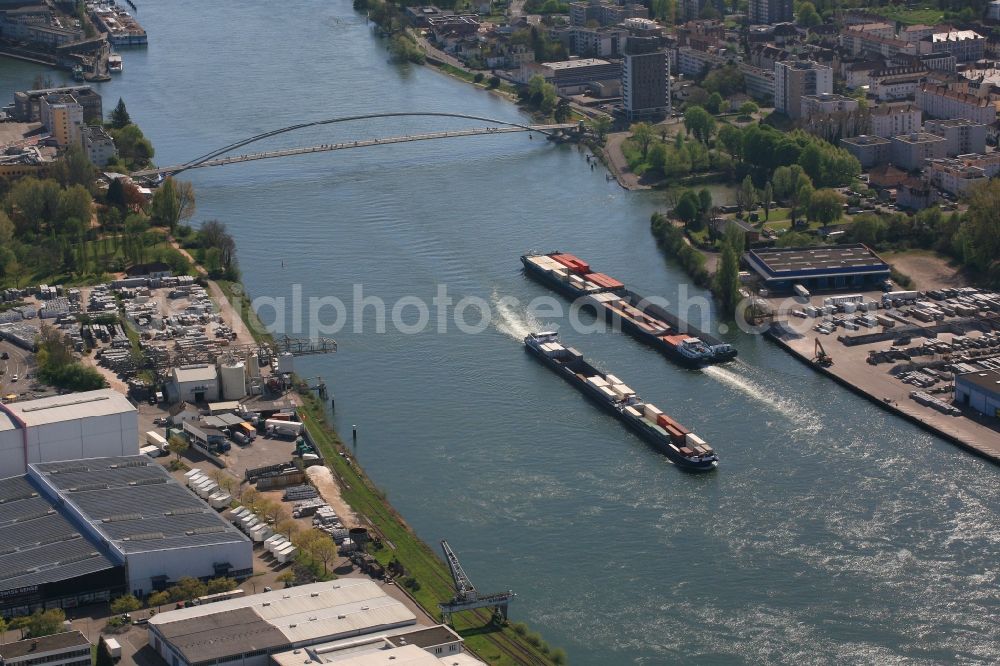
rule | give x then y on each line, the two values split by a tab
343	119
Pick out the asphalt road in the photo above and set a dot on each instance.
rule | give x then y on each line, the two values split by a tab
21	364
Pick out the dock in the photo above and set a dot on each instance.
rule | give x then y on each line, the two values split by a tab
850	369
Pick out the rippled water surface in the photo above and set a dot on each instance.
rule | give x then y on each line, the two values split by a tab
832	533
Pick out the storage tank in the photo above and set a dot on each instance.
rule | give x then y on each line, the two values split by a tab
286	363
234	382
253	366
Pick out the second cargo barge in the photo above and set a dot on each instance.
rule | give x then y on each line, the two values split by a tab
650	323
684	448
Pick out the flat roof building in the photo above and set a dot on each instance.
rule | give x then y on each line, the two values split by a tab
67	648
645	79
819	268
250	629
869	150
194	383
980	391
434	646
961	135
66	427
909	151
146	520
793	79
47	561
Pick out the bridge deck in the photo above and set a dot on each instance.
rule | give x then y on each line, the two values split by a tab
364	143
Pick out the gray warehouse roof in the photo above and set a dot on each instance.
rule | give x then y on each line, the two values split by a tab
984	380
220	635
819	259
300	616
195	373
135	504
68	407
37	543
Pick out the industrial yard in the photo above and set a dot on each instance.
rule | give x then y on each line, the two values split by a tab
907	351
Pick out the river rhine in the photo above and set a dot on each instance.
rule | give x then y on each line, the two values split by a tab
832	532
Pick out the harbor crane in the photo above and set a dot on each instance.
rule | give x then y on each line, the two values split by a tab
820	357
466	597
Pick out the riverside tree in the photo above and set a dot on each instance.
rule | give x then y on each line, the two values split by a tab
700	123
642	134
727	279
120	117
766	200
826	206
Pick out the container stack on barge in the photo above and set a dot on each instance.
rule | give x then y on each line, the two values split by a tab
647	322
684	448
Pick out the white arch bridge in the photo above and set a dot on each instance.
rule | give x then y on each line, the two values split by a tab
218	157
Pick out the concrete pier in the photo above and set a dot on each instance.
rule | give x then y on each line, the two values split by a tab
970	431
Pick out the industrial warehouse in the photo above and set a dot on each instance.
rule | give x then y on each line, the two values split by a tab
66	427
819	268
88	530
343	620
980	391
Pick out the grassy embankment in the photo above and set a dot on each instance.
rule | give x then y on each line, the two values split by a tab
914	16
433	581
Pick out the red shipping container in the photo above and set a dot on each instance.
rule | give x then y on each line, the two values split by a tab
663	421
564	259
685	451
676	436
573	263
604	280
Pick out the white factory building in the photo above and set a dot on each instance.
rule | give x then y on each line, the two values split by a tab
66	427
145	519
208	383
349	620
194	383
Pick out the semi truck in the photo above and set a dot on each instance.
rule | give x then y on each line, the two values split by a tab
278	428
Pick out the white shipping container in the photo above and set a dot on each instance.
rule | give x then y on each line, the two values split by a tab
597	381
693	440
613	380
651	411
191	472
220	500
622	390
632	411
151	451
275	542
154	438
539	261
260	533
611	395
204	490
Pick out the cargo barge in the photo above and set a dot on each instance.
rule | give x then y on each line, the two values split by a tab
684	448
645	321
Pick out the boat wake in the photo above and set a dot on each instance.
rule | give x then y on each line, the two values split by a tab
510	318
736	376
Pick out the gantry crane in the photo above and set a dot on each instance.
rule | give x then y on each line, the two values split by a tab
466	597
